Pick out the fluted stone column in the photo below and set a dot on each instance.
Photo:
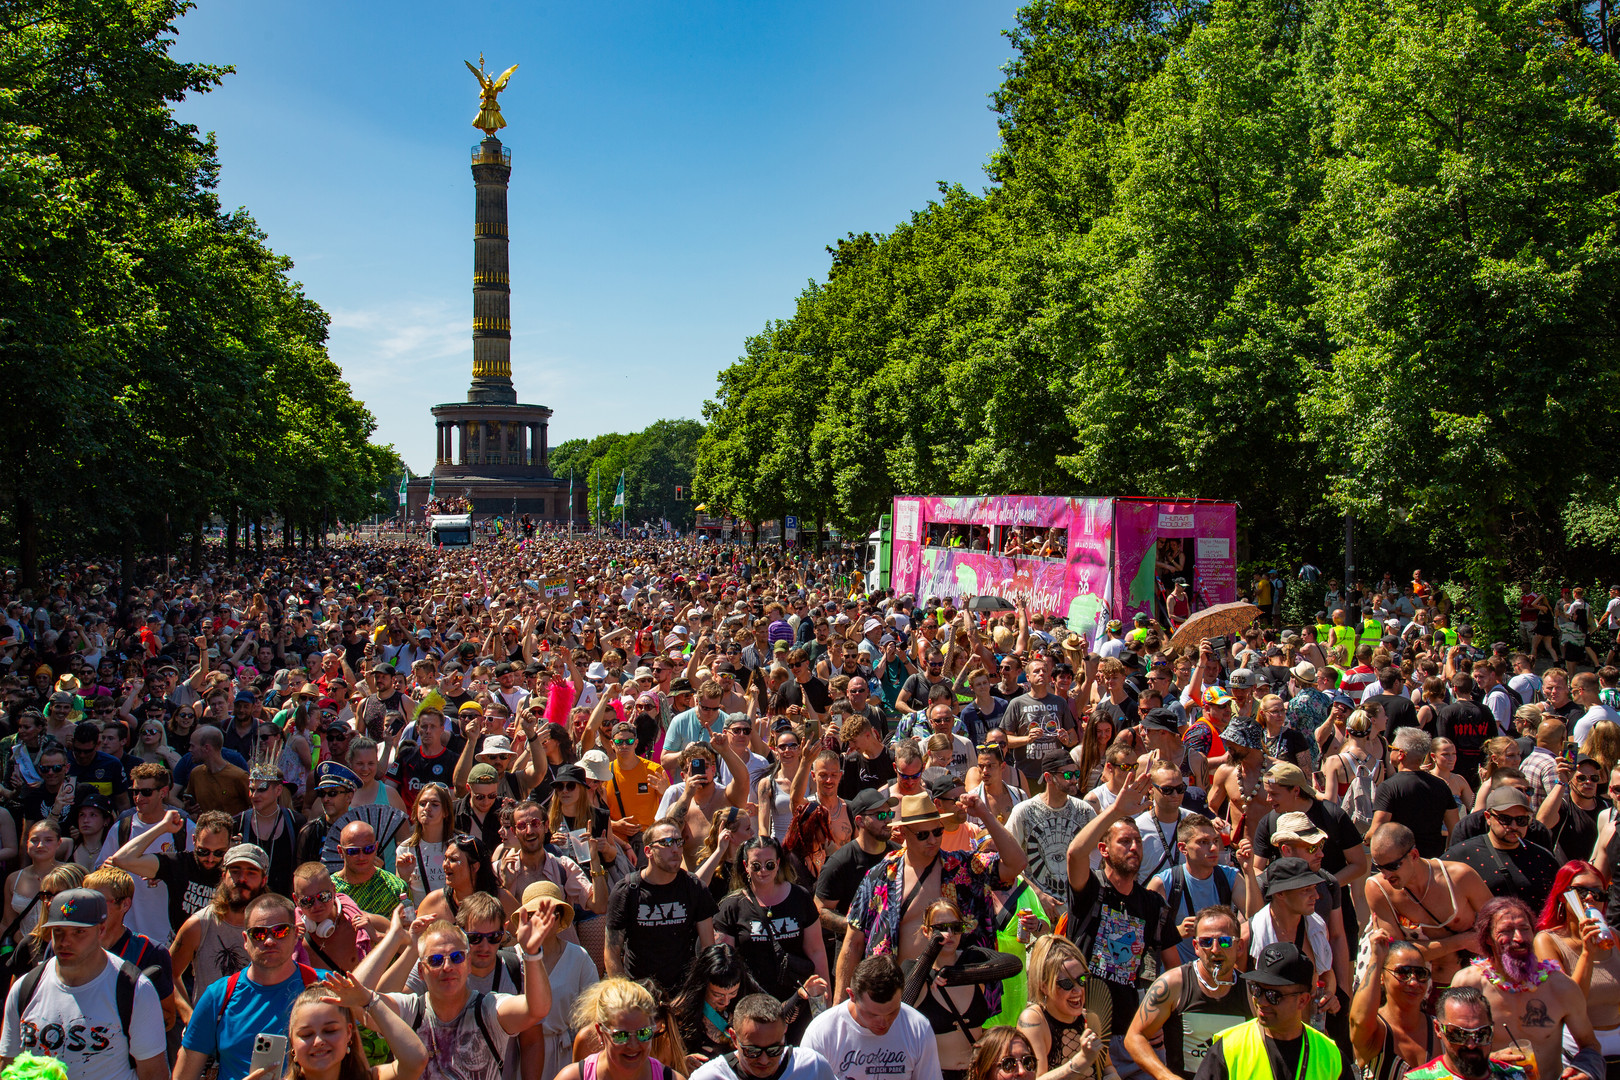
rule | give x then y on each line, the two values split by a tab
492	290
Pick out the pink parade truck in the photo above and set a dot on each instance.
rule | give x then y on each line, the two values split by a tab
1085	560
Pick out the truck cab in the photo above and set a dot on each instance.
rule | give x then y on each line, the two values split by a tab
450	530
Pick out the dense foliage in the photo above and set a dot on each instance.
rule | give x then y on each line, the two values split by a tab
655	461
159	366
1314	256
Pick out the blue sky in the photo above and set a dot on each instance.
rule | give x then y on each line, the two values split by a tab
678	170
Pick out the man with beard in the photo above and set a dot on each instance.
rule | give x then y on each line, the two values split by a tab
873	816
531	862
1277	1044
1462	1017
1509	865
1542	1009
1114	920
212	939
1188	1004
661	916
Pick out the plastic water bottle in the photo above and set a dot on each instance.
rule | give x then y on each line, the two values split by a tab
407	909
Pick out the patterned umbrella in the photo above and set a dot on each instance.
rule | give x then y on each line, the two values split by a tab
1215	621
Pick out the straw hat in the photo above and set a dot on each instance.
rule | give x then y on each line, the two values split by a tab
539	893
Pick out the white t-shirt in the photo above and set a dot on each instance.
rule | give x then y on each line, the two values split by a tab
149	908
1611	614
79	1025
1263	932
1583	726
803	1065
907	1051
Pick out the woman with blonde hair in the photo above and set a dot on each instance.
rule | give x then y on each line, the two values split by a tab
323	1039
1501	752
31	949
1603	743
622	1035
1066	1039
22	899
729	829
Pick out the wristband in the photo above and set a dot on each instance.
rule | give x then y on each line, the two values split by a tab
529	957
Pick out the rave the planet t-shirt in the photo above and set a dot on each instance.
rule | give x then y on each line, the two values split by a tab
660	926
907	1051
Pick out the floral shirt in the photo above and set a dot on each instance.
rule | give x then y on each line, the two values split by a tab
966	880
1306	711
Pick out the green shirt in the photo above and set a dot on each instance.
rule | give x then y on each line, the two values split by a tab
378	896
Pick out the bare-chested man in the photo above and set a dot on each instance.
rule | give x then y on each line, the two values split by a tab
1429	902
887	913
695	798
1236	793
1533	1002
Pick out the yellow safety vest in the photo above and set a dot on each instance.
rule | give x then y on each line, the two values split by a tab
1244	1048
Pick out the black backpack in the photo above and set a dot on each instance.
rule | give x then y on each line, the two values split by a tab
127	978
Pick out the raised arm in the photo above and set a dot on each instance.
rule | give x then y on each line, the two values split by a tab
1132	798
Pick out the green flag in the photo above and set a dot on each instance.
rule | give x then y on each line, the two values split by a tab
618	499
403	480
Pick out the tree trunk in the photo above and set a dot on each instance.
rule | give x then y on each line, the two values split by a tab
231	519
126	569
197	543
27	543
286	535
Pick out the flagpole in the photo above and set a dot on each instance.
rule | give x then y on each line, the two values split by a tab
570	502
624	501
596	524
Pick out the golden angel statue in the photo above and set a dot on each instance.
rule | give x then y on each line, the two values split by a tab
489	119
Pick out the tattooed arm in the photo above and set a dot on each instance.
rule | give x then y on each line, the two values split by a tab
1155	1011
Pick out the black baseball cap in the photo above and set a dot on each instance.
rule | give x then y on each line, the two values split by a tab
1282	964
868	800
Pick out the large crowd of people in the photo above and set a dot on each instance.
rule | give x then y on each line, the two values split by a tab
381	810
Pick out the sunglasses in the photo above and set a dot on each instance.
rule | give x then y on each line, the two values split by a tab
1411	972
666	842
1270	994
261	788
641	1035
363	849
261	934
143	792
1068	985
1216	941
209	853
438	960
493	937
309	902
763	867
1589	892
52	768
1171	789
946	927
787	744
1393	865
1514	821
565	785
881	815
754	1053
624	742
1462	1036
1013	1062
928	834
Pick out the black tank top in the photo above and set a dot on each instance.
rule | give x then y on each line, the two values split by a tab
1186	1041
